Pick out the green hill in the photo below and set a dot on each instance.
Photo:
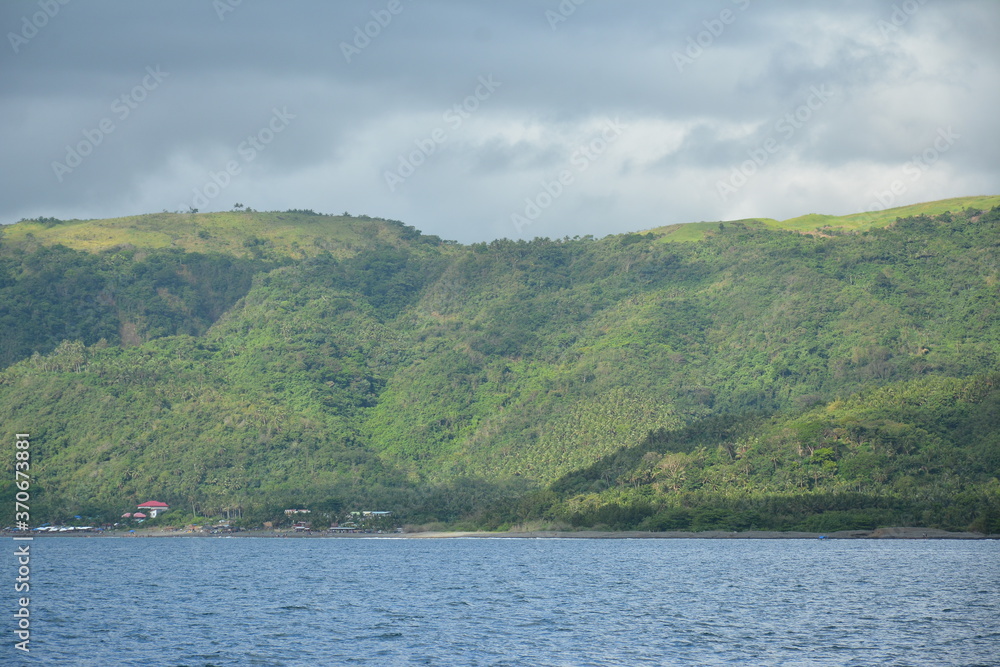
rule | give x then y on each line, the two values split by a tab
294	234
755	377
814	223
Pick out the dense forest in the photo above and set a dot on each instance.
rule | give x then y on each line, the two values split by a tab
746	377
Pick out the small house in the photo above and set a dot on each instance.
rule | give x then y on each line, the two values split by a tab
342	529
154	507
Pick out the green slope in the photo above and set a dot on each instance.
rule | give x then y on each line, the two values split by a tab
923	452
295	234
820	223
129	280
478	382
869	220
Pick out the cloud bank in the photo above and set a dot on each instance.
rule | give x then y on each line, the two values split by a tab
479	120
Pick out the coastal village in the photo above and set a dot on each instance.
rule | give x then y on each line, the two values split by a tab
297	521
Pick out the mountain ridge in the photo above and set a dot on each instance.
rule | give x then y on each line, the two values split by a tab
302	233
472	384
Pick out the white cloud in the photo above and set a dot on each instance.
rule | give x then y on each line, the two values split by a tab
687	130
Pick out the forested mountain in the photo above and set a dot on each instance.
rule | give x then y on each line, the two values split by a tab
760	374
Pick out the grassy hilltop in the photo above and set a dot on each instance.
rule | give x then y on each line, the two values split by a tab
293	234
755	376
816	223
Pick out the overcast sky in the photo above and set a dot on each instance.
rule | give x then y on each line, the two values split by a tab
514	118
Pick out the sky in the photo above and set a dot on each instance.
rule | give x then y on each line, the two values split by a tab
477	120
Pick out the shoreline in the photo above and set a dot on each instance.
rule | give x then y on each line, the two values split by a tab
878	534
895	533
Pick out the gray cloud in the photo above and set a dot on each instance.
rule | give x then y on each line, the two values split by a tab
897	78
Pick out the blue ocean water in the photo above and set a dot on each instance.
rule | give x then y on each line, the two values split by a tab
256	601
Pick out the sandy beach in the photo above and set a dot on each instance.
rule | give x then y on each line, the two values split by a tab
881	533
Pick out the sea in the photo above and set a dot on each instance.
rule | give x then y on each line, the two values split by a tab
505	601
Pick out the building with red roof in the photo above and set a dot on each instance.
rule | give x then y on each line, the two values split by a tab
154	507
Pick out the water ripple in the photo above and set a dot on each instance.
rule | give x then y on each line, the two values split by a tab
513	602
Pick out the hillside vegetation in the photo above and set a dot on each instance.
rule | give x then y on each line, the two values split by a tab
753	377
